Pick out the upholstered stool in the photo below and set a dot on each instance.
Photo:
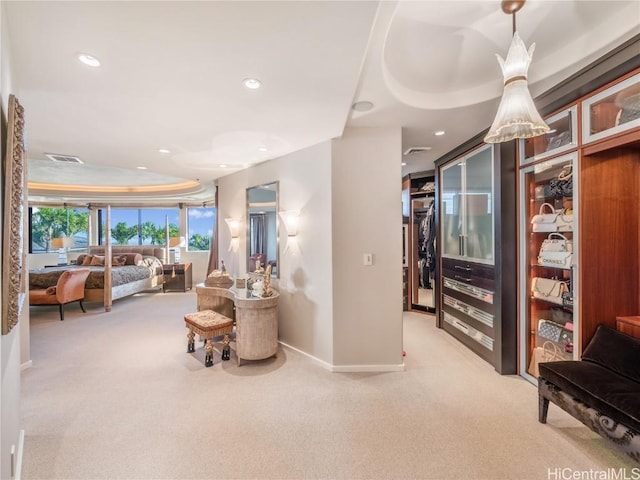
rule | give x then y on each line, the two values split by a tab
208	324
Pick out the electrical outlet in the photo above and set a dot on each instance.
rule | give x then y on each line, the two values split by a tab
368	259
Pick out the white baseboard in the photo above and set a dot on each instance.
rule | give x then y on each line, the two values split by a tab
367	368
25	365
17	474
346	368
322	363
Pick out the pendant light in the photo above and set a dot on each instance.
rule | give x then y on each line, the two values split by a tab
517	116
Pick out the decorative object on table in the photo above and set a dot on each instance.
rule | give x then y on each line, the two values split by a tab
241	283
259	268
219	278
548	289
226	350
267	292
549	219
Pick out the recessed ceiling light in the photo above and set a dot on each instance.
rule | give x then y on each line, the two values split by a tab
252	83
403	163
89	60
164	150
263	149
222	165
362	106
439	133
141	168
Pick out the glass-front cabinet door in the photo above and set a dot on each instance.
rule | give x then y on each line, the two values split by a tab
548	263
562	137
466	206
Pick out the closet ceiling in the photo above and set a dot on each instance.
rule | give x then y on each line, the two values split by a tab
172	72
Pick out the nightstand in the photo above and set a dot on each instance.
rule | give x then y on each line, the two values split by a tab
629	325
177	277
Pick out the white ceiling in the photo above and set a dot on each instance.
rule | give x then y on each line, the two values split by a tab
172	71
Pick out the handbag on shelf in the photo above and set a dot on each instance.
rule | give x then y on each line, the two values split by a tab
555	332
562	185
556	251
567	299
548	289
548	352
556	242
552	221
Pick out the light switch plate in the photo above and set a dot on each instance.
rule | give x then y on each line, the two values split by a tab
368	259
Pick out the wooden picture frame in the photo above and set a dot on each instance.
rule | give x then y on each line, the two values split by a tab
13	186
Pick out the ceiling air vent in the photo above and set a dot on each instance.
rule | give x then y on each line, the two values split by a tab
63	158
411	150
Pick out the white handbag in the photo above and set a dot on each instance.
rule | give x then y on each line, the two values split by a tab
552	221
548	289
556	251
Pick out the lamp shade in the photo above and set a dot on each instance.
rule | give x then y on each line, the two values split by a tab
234	226
62	242
290	219
517	116
177	242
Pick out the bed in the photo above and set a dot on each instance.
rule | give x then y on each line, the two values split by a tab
142	271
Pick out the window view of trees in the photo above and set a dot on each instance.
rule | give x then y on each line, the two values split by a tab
200	227
139	226
48	223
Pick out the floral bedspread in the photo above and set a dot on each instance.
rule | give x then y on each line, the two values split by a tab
48	277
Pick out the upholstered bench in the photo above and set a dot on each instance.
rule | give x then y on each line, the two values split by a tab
208	324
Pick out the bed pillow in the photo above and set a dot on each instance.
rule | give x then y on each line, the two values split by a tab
97	261
51	290
132	258
80	258
118	261
86	261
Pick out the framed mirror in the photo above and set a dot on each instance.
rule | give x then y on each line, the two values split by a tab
262	228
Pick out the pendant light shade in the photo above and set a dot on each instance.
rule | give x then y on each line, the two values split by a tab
517	116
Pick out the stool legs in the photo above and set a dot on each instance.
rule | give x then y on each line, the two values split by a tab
191	345
208	348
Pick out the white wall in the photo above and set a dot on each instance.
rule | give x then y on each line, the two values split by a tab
367	218
305	305
348	192
10	343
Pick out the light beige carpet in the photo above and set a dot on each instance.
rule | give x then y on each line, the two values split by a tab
115	395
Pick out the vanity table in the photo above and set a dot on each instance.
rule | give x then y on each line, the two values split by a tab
256	318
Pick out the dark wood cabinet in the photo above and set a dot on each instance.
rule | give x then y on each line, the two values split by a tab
476	224
177	277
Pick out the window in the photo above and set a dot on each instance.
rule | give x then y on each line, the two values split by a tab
47	223
140	226
201	223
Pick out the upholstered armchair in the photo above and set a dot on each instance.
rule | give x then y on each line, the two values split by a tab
70	288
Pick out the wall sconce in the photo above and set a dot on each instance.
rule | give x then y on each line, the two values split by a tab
234	228
290	219
62	243
175	244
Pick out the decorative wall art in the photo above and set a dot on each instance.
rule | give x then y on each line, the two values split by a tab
13	252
